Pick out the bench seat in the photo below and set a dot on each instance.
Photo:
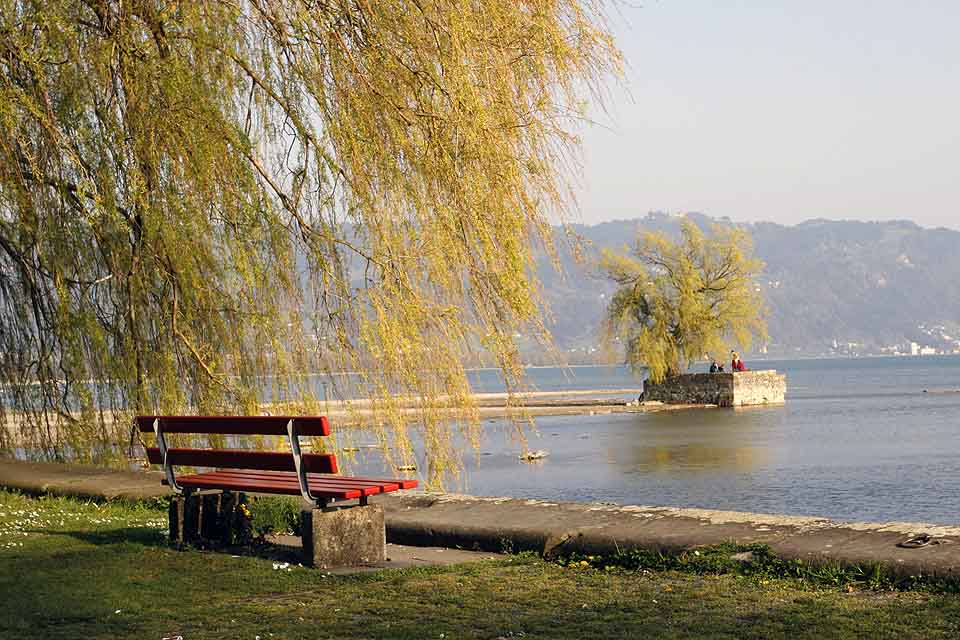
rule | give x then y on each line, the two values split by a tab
322	486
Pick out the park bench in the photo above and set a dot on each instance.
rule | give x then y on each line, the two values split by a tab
312	476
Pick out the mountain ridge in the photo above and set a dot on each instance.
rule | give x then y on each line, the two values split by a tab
833	287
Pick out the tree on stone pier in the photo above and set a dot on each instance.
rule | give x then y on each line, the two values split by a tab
677	302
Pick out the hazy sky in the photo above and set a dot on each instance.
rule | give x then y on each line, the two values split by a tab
782	111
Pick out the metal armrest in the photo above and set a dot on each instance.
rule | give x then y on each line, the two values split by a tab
167	467
294	435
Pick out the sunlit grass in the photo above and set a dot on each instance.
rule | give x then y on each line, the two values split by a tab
71	569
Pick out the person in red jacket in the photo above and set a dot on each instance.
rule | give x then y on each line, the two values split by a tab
736	364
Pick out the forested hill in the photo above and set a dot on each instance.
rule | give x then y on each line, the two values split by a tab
833	287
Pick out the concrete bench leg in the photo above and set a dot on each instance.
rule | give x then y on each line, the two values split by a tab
344	537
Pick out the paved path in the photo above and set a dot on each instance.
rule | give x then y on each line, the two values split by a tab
491	524
80	480
549	527
398	556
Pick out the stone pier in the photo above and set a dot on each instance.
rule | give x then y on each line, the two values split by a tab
739	389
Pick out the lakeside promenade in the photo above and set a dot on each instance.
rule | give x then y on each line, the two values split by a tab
491	524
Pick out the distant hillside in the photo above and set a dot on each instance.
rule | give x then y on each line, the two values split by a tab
833	287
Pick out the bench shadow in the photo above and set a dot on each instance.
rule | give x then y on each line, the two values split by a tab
137	535
267	550
279	549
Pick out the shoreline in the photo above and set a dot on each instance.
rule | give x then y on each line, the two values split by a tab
559	528
535	404
353	413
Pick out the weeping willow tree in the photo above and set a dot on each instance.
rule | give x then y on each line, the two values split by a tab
198	197
677	302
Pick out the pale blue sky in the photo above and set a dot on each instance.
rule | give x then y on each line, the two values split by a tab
782	111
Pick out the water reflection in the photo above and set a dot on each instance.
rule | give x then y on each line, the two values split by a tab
693	458
697	441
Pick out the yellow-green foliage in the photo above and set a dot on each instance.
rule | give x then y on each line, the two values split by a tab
683	301
197	195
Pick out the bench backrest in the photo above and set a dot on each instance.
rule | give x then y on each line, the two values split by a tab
239	425
290	426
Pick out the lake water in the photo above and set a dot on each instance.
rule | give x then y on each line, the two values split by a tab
873	439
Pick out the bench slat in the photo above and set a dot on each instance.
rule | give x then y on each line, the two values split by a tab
287	486
403	483
281	488
397	483
244	459
316	481
339	481
240	425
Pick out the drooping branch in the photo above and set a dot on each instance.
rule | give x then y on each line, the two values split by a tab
191	193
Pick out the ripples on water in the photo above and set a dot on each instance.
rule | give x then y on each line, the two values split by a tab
857	440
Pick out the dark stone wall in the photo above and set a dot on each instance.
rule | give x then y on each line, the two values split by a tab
692	388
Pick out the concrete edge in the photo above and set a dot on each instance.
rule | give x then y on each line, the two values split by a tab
558	528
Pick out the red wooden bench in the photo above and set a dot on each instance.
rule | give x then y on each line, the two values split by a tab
310	475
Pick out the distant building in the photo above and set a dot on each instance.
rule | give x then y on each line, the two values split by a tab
927	351
914	349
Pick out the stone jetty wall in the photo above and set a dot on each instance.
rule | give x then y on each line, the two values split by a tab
758	387
723	389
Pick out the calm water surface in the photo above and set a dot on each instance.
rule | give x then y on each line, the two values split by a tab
858	439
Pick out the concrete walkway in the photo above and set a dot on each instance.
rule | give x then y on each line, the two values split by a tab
398	556
80	481
495	524
556	528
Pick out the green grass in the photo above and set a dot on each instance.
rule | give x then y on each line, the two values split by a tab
275	515
761	563
70	569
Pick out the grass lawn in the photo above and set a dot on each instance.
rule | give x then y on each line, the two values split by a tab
70	569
